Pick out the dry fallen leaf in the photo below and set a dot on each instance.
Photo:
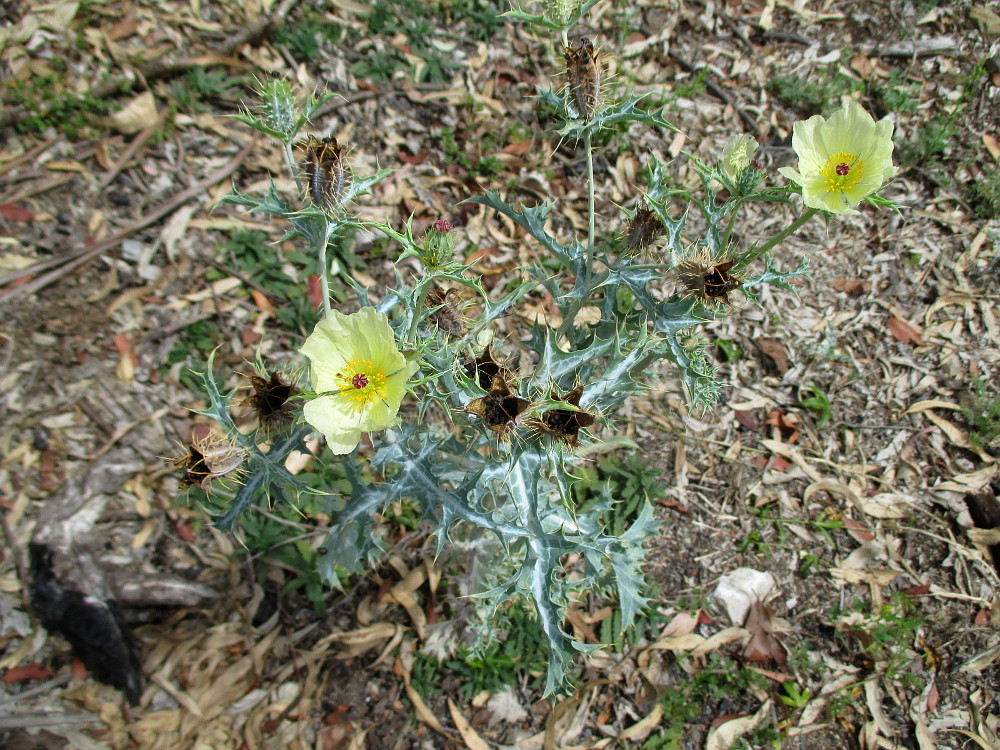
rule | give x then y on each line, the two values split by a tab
738	590
764	645
992	145
903	331
853	287
136	115
725	735
774	351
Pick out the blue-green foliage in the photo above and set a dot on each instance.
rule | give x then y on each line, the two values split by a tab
516	487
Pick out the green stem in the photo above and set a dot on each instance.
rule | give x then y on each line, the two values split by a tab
422	290
588	278
293	166
793	227
324	268
590	197
732	222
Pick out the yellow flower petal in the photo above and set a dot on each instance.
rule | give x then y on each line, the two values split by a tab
842	160
359	375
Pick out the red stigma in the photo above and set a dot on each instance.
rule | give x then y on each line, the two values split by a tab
443	226
359	381
843	169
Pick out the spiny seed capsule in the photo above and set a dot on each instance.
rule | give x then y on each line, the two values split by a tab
584	78
565	424
708	280
447	316
485	369
210	456
642	231
271	401
499	408
326	171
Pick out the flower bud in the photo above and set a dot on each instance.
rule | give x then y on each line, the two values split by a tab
439	245
561	12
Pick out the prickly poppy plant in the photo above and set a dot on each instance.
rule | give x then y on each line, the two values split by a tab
458	425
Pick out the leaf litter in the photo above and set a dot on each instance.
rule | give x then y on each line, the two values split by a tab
847	522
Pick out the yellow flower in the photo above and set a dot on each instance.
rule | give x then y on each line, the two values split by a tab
736	155
841	160
358	375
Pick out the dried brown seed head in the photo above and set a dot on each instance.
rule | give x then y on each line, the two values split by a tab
585	78
565	424
448	315
642	231
708	280
326	171
485	368
499	408
271	401
209	457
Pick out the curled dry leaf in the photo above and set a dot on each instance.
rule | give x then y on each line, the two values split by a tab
736	591
725	735
904	332
764	645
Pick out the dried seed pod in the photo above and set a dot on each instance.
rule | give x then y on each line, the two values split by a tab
210	457
499	408
584	78
708	280
271	401
326	171
484	369
448	316
642	231
565	424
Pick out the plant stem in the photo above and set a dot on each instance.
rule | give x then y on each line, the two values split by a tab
324	268
293	166
590	198
729	227
422	289
793	227
588	278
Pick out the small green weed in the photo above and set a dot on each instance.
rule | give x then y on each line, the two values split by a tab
887	633
201	86
49	106
793	697
630	483
719	679
253	254
819	403
983	416
730	350
196	342
896	94
303	38
523	650
815	94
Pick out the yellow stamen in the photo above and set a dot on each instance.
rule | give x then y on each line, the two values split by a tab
363	383
842	171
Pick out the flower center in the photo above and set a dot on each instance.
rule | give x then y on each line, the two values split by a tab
842	171
362	383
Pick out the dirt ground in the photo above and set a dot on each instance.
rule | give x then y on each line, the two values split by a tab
116	277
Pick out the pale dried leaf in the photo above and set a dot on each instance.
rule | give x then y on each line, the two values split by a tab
724	735
472	740
737	590
505	707
134	116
